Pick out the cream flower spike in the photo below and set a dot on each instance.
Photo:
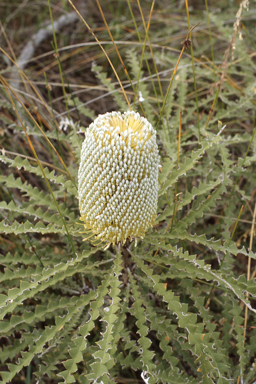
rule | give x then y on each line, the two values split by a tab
118	177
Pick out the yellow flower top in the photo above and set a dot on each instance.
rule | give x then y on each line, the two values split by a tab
118	177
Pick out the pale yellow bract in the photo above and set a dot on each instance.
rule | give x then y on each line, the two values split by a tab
118	177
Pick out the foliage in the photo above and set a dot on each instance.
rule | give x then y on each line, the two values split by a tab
170	309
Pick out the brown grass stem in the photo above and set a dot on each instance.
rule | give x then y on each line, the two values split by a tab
110	62
118	54
5	85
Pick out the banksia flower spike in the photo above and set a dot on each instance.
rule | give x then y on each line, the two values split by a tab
118	177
